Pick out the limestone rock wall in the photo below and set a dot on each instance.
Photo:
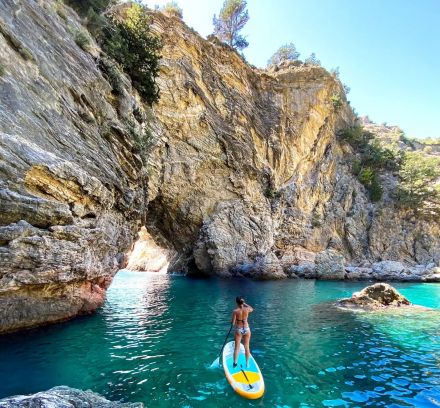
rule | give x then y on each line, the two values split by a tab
248	156
250	167
71	196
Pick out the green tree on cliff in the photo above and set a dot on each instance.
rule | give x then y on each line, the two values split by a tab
173	9
312	60
86	6
130	42
419	187
231	20
286	52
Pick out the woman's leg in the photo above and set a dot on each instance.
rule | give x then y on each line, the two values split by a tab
237	339
246	342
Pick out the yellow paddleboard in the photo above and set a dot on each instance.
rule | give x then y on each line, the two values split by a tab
246	381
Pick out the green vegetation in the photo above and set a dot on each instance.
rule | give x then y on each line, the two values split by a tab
428	149
413	142
335	72
113	74
371	152
312	60
418	175
286	52
336	101
316	219
173	9
371	159
82	7
125	37
82	39
370	179
129	41
2	70
231	20
428	141
25	53
419	188
59	8
141	138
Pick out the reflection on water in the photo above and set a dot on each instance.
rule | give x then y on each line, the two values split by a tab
157	335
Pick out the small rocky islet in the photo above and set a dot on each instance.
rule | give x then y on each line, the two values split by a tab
379	296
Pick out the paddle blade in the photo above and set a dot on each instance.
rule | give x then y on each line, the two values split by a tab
215	363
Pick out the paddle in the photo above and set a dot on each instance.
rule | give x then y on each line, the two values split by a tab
216	362
245	376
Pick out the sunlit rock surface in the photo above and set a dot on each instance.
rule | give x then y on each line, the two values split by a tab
377	296
148	256
71	186
63	397
249	166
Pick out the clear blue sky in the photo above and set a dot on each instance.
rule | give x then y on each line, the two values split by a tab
387	51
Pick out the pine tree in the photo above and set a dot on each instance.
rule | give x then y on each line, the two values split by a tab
286	52
312	60
231	20
173	9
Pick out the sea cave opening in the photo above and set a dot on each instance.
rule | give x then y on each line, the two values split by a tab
147	255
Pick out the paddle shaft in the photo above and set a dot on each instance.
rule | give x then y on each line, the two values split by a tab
247	379
226	339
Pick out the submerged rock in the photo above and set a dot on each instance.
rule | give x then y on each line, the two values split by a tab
377	296
64	397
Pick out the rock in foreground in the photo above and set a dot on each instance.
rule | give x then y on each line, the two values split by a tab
64	397
377	296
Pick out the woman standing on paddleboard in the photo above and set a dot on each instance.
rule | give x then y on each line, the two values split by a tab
242	329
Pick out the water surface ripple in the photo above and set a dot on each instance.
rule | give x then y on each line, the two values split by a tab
157	335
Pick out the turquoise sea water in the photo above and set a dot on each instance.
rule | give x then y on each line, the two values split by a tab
157	335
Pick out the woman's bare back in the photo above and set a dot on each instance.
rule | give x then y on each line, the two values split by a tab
241	315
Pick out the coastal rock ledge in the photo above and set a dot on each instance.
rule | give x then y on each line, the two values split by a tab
64	397
377	296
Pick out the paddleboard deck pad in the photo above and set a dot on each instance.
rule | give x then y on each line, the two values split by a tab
246	381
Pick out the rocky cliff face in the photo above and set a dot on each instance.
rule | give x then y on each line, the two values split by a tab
248	159
250	171
243	174
71	187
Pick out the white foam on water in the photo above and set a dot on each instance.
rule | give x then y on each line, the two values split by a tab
215	364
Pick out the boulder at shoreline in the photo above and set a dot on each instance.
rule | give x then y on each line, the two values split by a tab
64	397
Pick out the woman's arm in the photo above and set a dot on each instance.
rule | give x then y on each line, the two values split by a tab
250	308
233	318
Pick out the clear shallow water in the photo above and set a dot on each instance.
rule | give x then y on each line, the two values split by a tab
157	335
